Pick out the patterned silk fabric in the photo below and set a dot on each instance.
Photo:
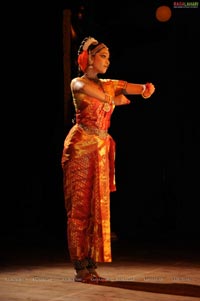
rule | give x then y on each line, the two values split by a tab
88	161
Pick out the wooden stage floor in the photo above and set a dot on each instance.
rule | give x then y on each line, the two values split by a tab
139	272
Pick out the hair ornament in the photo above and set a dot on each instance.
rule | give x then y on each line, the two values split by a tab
83	60
89	42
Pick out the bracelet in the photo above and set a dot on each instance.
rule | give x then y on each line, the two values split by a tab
143	88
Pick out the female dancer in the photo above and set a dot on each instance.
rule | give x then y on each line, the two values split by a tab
88	158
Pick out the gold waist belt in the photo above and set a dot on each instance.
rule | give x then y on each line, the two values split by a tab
94	131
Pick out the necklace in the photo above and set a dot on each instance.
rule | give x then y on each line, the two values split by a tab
97	81
93	79
106	107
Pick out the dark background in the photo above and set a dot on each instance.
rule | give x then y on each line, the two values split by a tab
157	162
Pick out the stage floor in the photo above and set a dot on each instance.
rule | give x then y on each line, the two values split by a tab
138	272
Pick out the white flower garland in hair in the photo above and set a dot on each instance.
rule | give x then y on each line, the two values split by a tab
89	42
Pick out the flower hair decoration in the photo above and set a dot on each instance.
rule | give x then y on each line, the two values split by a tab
89	42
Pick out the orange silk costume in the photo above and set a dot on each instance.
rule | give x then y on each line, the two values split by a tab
88	163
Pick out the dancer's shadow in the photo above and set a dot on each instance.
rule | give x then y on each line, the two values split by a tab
182	289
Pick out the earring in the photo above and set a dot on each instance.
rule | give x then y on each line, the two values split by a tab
90	61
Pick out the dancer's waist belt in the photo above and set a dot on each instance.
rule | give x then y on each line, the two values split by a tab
94	131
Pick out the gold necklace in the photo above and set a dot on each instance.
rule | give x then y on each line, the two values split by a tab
106	106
